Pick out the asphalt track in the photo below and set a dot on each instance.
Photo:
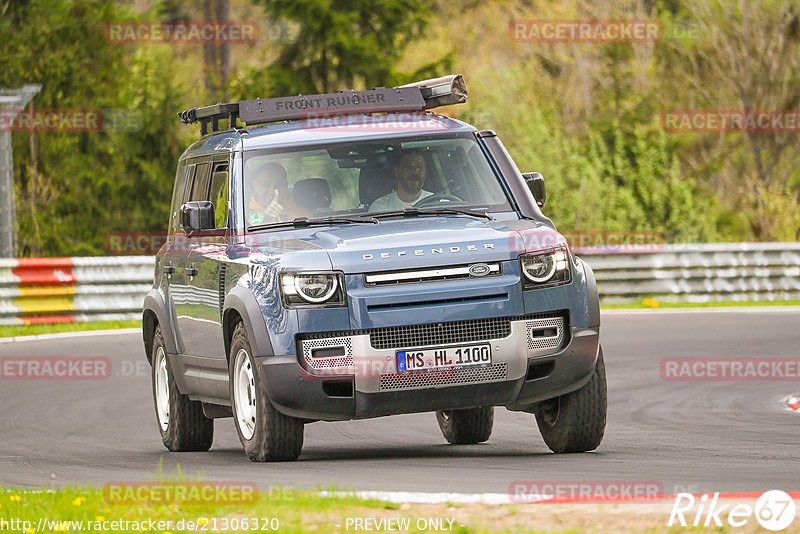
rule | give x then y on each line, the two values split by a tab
686	435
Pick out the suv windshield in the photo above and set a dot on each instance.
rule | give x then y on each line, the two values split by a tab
364	178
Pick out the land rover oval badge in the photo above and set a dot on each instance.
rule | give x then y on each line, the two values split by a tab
478	269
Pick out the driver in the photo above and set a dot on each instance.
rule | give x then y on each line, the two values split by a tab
410	175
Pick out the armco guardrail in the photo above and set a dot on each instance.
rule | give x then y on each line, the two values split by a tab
699	273
57	290
39	290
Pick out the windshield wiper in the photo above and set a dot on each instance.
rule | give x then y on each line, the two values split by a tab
304	222
416	212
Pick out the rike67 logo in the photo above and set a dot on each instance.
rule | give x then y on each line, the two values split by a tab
774	510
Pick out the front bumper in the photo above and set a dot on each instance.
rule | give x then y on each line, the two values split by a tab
355	377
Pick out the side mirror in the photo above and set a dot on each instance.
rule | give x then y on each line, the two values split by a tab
535	182
198	215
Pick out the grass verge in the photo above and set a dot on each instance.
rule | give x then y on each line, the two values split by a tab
652	303
30	330
86	509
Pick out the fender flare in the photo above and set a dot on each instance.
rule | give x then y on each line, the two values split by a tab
244	303
593	297
154	302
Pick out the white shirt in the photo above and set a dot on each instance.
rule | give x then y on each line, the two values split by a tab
392	202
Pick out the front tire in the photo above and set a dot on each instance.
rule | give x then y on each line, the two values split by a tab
576	422
467	426
181	421
266	434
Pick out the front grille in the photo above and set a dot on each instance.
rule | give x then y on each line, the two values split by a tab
431	274
447	377
440	333
437	302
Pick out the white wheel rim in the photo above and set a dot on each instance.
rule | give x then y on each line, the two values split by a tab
244	394
162	389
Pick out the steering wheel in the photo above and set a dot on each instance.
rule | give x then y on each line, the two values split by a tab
439	199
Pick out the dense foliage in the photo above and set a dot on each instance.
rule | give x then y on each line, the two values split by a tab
586	115
88	183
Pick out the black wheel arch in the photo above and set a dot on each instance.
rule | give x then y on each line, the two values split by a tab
154	313
241	305
593	296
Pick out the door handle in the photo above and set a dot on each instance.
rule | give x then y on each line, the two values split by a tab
191	271
169	269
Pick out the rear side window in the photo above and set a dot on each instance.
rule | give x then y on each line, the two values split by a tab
201	182
219	194
196	182
187	191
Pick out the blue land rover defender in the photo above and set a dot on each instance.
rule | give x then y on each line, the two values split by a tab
353	255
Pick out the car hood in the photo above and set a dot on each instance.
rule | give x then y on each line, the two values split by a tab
404	243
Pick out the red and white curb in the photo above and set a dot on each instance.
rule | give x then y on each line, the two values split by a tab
415	497
793	403
69	290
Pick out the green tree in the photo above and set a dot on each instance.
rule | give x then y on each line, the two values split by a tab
615	178
341	44
741	55
89	182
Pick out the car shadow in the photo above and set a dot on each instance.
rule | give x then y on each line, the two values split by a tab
429	452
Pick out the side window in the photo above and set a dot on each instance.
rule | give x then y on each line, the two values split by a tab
201	182
219	194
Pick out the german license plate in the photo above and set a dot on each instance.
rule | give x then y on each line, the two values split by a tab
443	358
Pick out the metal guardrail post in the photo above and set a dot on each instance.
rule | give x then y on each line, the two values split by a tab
12	102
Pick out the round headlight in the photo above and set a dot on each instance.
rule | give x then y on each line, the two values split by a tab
539	268
315	288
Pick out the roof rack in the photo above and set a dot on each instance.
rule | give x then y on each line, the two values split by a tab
418	96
